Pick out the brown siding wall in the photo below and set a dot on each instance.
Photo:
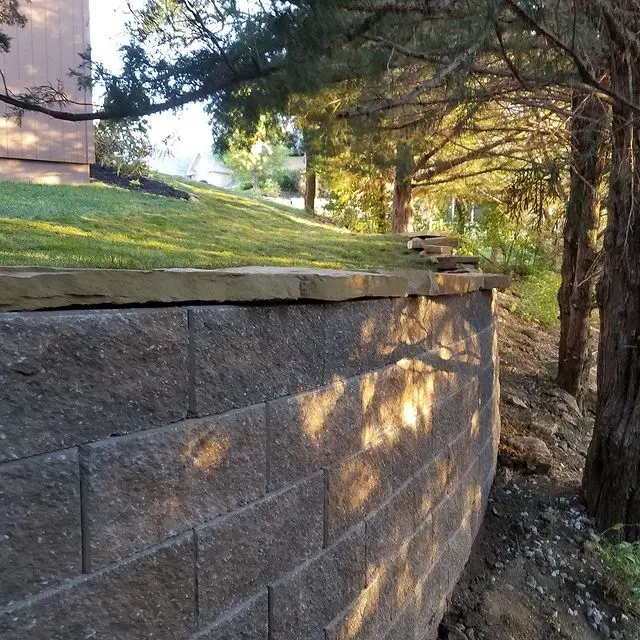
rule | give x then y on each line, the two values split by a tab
42	53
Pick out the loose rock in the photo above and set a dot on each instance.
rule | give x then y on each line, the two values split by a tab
527	453
516	401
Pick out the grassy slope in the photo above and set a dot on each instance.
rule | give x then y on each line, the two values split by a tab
101	226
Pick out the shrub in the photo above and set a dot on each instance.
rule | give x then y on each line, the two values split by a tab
622	559
124	146
539	298
261	162
271	189
289	181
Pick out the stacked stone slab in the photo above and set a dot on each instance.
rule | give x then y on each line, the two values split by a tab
283	471
437	248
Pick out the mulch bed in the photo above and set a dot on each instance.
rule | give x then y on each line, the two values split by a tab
146	185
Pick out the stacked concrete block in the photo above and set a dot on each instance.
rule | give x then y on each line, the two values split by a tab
283	471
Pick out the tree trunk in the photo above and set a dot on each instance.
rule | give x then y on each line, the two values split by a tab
611	480
579	253
402	212
310	186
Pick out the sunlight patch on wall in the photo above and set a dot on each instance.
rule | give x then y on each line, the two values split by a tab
206	453
363	481
315	414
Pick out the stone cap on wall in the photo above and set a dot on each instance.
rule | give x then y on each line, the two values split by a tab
34	288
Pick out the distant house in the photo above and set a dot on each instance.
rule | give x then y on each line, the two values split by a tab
39	148
209	169
296	163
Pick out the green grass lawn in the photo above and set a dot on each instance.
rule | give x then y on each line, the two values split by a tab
103	226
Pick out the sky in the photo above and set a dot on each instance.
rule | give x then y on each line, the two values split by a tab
189	127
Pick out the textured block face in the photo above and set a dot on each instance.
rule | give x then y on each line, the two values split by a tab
401	569
413	325
458	551
152	596
366	619
240	554
143	488
248	622
308	599
362	483
454	415
486	466
388	528
41	542
455	317
489	382
396	576
458	509
246	355
423	550
73	377
466	448
394	402
432	482
481	310
371	334
451	369
313	430
430	600
360	337
403	627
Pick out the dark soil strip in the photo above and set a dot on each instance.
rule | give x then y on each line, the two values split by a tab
146	185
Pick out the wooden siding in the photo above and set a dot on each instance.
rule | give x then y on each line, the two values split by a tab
42	53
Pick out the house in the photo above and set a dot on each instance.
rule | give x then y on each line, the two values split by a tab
296	163
209	169
37	148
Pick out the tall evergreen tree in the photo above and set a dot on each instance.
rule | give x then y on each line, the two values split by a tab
575	298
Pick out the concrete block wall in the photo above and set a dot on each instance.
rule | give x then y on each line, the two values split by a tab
281	471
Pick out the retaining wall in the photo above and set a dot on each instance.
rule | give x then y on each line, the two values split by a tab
293	470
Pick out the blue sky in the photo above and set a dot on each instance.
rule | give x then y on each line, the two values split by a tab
189	126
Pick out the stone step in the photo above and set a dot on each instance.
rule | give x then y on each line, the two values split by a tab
420	243
452	263
429	249
425	234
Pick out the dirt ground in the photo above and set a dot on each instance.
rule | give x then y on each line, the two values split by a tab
534	572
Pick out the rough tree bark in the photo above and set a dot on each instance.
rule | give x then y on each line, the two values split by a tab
611	480
579	252
402	212
310	187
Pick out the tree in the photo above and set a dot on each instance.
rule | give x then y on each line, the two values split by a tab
581	36
310	188
612	470
402	213
310	174
261	162
186	51
123	145
10	15
575	297
605	36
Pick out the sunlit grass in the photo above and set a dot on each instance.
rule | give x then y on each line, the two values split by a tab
102	226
